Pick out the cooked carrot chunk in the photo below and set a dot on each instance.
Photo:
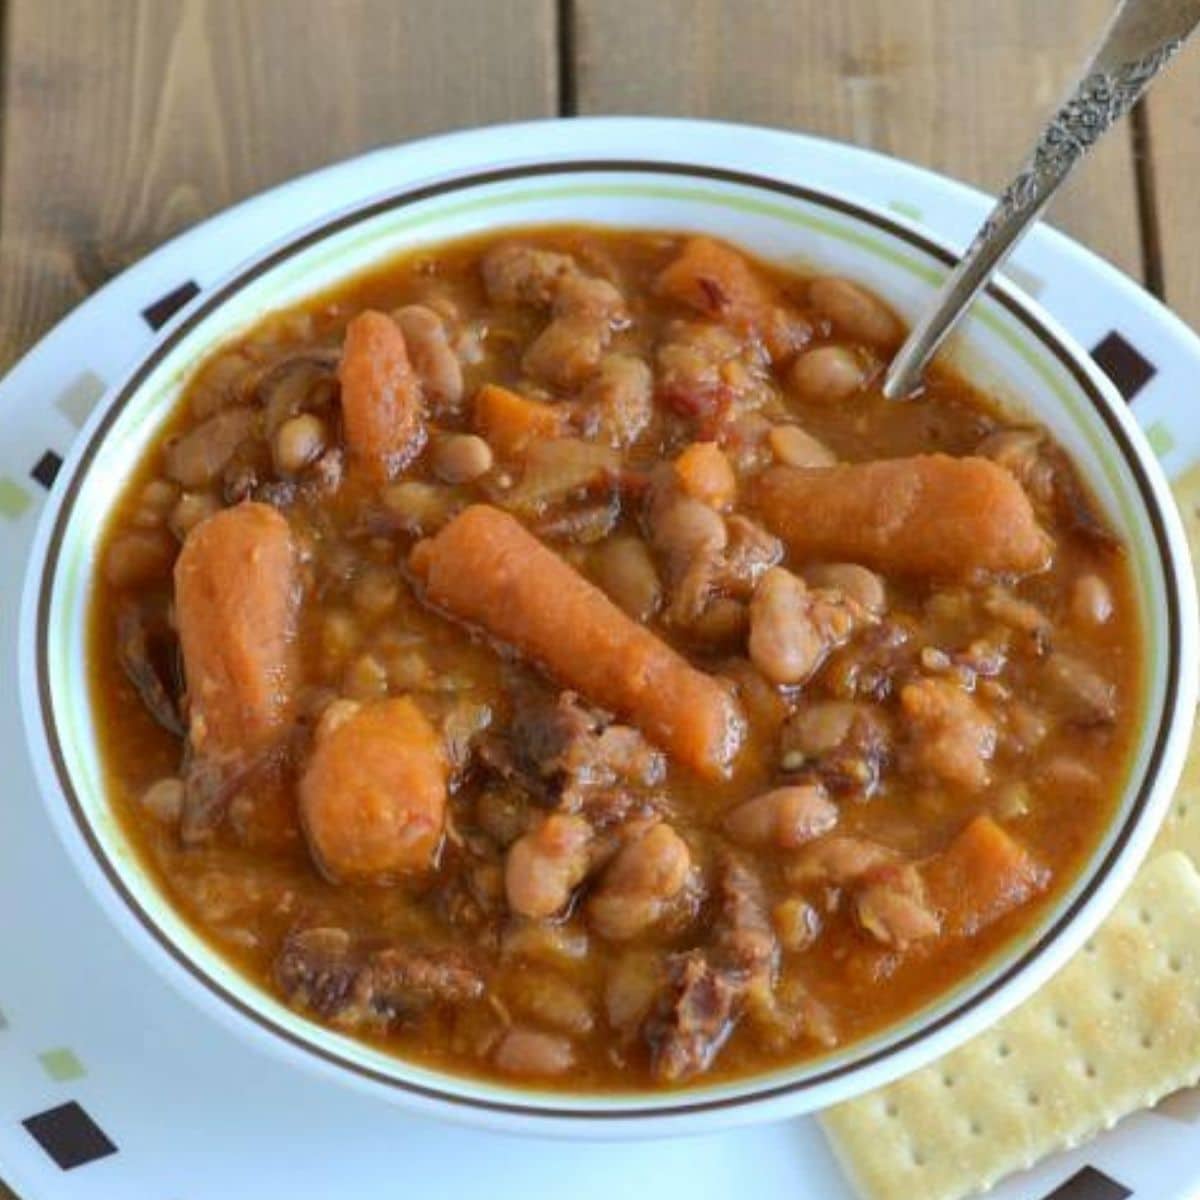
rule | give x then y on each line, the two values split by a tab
926	515
983	874
485	568
373	798
509	421
717	281
236	599
381	397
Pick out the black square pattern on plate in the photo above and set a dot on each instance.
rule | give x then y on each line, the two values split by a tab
1090	1184
45	470
69	1135
165	307
1123	364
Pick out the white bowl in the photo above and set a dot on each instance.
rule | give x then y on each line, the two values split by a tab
1008	345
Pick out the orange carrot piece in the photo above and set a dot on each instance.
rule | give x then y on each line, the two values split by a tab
236	598
717	281
373	799
926	515
703	472
983	874
381	398
485	568
509	421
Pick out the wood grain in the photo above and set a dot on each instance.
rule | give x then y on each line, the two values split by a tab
125	121
1173	168
958	85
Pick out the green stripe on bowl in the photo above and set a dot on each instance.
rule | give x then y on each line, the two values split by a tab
61	1064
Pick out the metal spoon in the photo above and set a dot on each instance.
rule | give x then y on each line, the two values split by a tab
1141	38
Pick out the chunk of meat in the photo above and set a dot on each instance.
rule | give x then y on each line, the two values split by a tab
382	412
981	876
145	650
509	422
1049	479
706	991
845	744
638	886
617	404
892	906
321	970
373	797
793	628
749	552
693	1020
197	458
558	468
719	283
434	361
237	592
514	273
564	748
926	515
708	373
545	866
483	567
744	935
786	817
951	736
568	351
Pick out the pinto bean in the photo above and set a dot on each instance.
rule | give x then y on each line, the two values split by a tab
828	374
298	442
855	582
622	566
855	313
433	360
1091	602
645	876
786	817
526	1052
545	865
461	457
795	447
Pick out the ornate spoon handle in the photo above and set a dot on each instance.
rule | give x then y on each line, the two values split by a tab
1140	40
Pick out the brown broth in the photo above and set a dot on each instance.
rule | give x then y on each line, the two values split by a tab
249	887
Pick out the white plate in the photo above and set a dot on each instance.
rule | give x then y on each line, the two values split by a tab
92	1035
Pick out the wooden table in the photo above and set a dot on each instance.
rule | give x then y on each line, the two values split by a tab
124	121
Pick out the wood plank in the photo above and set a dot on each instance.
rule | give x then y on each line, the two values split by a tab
126	121
1172	165
957	85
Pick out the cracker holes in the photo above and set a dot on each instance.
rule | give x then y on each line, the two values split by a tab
890	1110
1033	1099
1089	1070
1175	963
918	1156
948	1080
1089	947
1146	1040
1117	995
1003	1050
1145	916
976	1128
1061	1021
